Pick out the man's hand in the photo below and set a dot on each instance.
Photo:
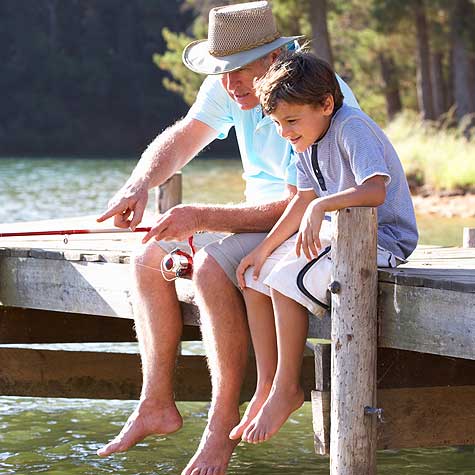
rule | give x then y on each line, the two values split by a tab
255	258
308	238
128	201
177	224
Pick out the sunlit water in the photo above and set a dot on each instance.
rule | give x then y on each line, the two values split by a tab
60	436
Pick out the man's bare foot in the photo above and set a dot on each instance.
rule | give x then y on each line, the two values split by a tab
252	409
215	449
147	419
275	411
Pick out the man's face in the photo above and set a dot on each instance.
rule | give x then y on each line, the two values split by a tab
302	124
240	84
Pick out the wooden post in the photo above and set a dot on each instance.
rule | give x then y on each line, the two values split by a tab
321	400
468	237
169	194
353	335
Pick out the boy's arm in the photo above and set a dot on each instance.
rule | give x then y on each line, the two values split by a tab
285	227
370	193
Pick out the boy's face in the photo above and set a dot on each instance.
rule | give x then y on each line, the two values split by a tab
302	124
240	84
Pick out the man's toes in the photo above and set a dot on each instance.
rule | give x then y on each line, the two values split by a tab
108	449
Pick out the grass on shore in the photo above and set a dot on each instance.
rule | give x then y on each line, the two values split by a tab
440	158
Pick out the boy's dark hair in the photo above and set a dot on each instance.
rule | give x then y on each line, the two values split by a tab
300	78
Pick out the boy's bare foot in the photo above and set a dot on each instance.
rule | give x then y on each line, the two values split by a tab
215	449
275	411
147	419
252	409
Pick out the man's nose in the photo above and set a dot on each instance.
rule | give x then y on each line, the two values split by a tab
232	79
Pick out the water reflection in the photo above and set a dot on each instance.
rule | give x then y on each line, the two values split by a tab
32	444
59	436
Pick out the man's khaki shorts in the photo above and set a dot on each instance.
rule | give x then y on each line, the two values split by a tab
226	249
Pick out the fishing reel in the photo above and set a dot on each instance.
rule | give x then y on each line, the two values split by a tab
178	262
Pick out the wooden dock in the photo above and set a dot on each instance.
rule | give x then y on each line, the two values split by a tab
78	291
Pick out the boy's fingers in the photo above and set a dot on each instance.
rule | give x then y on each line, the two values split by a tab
298	244
305	247
313	249
257	271
240	275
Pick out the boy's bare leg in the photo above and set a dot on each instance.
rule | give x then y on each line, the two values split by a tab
260	316
158	325
286	394
226	339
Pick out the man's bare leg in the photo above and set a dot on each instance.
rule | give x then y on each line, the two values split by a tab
226	339
286	396
260	316
158	325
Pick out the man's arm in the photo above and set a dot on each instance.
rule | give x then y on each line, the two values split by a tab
167	154
184	220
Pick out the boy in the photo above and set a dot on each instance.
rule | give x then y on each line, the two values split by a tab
344	160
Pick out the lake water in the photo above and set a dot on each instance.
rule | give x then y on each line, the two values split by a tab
61	436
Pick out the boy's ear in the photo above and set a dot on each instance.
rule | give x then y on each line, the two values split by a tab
328	105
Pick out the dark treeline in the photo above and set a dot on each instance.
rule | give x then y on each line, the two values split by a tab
78	77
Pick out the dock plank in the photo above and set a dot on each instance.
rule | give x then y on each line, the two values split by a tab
426	304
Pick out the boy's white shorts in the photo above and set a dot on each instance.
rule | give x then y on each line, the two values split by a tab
282	267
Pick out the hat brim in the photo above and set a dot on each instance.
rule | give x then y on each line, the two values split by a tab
197	58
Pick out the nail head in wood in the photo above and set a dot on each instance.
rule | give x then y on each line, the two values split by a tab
335	287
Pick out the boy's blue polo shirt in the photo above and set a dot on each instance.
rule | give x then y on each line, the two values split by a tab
268	160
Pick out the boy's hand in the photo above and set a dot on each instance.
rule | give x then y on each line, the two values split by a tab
256	258
309	233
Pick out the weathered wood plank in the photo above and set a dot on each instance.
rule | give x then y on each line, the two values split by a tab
26	325
410	369
93	288
418	417
398	369
84	374
460	280
427	320
427	417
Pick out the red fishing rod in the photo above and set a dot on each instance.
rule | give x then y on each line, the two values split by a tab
70	232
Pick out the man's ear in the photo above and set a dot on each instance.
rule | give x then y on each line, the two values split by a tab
273	55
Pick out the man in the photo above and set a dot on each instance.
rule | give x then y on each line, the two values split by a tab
243	42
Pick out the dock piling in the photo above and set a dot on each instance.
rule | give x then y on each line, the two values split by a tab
468	237
354	343
169	194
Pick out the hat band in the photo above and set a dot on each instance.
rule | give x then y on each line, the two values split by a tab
264	41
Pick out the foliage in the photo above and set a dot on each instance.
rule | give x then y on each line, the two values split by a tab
433	155
186	83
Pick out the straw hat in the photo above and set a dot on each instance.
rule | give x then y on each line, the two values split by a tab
237	35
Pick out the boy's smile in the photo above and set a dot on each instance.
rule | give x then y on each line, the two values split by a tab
302	124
